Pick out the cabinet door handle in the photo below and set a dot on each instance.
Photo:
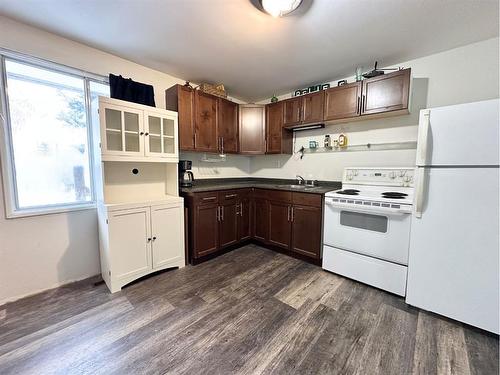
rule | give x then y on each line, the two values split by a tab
358	107
288	213
241	209
292	215
208	198
222	213
231	195
149	239
194	135
217	215
146	134
141	133
222	145
363	103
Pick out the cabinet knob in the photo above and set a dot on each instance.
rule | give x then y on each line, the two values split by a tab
146	134
149	239
141	133
154	238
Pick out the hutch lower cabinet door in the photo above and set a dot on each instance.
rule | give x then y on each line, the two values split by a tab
130	243
167	235
135	241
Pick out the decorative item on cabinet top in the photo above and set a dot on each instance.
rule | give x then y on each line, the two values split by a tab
310	89
136	132
217	90
378	72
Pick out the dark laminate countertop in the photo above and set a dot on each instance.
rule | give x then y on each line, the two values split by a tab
214	184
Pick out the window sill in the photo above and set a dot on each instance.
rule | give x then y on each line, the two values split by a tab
49	211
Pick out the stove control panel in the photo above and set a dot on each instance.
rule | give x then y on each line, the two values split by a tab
380	176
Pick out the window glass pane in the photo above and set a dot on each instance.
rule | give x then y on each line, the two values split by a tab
49	136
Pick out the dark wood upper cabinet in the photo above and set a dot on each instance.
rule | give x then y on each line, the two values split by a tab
306	231
304	109
385	93
312	107
278	139
181	99
205	229
343	101
292	111
227	123
252	129
279	224
205	122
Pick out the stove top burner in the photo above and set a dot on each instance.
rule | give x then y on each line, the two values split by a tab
348	192
394	195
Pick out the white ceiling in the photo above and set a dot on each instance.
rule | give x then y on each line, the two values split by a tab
253	54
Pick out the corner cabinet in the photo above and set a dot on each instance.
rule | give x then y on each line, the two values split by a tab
134	132
137	239
252	129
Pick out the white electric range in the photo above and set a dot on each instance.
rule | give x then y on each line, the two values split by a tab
367	227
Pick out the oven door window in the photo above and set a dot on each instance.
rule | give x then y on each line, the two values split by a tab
374	223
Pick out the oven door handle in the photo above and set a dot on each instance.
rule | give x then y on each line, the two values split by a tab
371	210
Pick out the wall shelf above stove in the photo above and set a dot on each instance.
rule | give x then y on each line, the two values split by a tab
411	145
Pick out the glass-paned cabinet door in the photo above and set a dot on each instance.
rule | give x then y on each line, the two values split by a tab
161	138
121	130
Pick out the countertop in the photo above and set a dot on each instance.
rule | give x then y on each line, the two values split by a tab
214	184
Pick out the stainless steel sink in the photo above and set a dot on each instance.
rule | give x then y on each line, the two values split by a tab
301	187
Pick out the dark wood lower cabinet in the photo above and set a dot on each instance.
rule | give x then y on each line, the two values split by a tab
244	219
306	231
279	224
260	219
228	226
289	222
205	230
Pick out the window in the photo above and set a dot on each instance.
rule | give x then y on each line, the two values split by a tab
49	114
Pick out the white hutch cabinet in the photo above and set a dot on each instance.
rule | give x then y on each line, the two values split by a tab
141	216
135	132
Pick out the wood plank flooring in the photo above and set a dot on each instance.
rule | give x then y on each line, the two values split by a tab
250	311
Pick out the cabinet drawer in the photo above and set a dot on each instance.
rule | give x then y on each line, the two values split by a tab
228	196
279	196
307	199
209	197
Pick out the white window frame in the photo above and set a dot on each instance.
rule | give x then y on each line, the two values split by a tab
6	150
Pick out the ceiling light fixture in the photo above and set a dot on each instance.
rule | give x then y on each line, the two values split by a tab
280	8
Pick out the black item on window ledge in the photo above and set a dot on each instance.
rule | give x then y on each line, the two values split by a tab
126	89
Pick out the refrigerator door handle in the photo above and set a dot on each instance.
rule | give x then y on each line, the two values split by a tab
419	191
423	133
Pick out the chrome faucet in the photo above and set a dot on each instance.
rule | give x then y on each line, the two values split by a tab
301	180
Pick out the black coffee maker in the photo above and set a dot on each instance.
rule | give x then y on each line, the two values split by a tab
186	177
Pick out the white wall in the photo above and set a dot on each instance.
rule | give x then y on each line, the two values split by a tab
233	166
41	252
461	75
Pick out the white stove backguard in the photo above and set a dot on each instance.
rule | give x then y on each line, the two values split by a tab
395	177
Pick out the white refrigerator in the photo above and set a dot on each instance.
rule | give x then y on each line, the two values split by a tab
453	267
